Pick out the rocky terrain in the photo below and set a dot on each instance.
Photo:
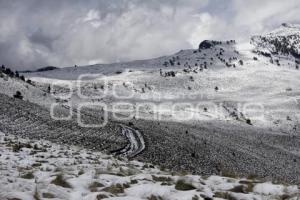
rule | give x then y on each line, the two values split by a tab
210	132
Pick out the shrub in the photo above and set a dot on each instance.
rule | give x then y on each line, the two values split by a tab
22	78
101	196
193	155
8	72
60	181
18	95
171	62
166	64
161	178
115	189
29	175
224	195
16	147
48	195
183	186
152	197
133	181
36	195
93	187
248	121
29	81
130	124
239	189
195	197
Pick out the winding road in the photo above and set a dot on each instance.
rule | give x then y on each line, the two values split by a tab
136	143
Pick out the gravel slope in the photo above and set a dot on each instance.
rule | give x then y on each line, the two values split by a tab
206	148
223	148
30	120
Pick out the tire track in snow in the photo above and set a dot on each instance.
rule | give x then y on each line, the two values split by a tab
136	143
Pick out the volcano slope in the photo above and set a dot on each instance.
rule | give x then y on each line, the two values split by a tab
30	120
206	148
269	148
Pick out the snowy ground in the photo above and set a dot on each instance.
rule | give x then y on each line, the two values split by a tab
32	170
212	138
270	91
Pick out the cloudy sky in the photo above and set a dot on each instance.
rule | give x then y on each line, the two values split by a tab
38	33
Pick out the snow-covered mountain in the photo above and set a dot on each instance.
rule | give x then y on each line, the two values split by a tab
242	73
282	41
244	100
179	60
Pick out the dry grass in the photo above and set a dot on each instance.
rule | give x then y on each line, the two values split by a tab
28	175
60	181
183	186
101	196
116	189
36	195
161	179
152	197
93	187
48	195
224	195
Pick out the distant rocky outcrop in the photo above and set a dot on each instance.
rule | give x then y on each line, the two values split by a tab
207	44
43	69
48	68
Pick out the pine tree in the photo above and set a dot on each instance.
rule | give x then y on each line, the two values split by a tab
18	95
22	78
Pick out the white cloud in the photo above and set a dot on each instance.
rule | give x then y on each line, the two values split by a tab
257	16
92	15
64	33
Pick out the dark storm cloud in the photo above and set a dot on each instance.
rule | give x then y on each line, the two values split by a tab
35	33
43	38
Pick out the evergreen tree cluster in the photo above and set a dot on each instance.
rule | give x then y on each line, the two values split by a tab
12	74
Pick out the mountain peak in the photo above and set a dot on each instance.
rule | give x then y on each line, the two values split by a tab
285	41
289	25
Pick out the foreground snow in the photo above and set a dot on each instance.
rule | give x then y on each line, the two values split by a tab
31	170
